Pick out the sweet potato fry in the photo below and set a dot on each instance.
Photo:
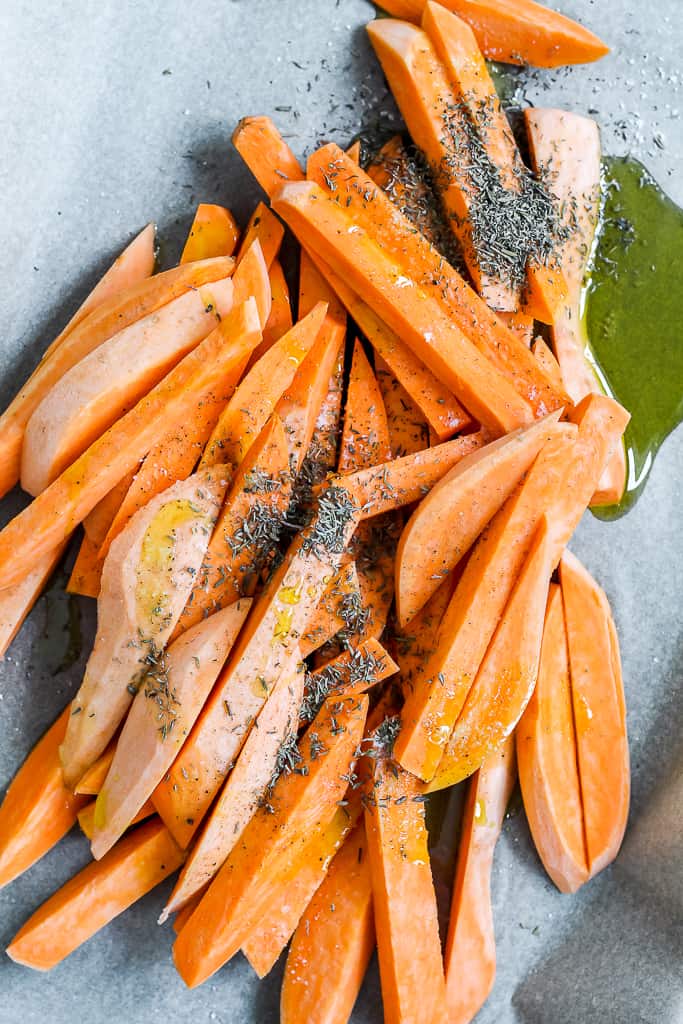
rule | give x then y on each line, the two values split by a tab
91	781
98	523
278	618
365	435
86	817
300	803
103	321
37	809
246	787
333	942
546	756
259	393
516	31
51	517
146	579
96	392
470	954
265	228
265	153
280	320
352	672
408	428
321	224
565	147
213	233
95	896
341	594
411	973
507	675
164	710
449	519
599	712
251	279
17	601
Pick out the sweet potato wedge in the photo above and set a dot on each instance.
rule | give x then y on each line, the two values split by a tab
265	153
213	233
17	601
147	577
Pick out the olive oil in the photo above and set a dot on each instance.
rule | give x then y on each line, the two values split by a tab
631	314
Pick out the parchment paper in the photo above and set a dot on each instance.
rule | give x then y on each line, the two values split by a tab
118	112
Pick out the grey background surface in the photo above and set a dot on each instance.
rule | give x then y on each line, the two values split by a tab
118	112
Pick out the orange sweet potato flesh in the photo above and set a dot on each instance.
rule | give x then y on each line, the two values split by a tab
98	523
265	228
408	428
95	896
546	758
420	320
246	787
547	359
327	619
441	409
104	320
365	435
91	781
146	579
251	279
373	211
278	617
17	601
261	389
288	900
96	392
300	803
507	675
566	147
410	964
364	664
302	404
37	809
402	481
331	949
599	712
446	523
468	75
161	716
86	575
470	954
516	31
51	517
213	233
280	319
441	685
265	153
261	490
86	817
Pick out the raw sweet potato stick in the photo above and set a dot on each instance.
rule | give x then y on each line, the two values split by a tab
213	233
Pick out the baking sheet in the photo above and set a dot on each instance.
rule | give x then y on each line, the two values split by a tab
119	112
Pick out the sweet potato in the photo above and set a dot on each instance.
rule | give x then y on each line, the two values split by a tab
516	31
251	279
507	675
91	781
95	896
213	233
37	809
333	942
265	228
355	670
164	710
259	392
17	601
300	803
86	575
98	523
278	618
246	787
470	954
102	386
565	148
599	712
104	320
86	817
449	519
331	615
280	318
372	211
146	579
265	153
546	756
51	517
440	687
365	435
322	224
411	973
246	531
408	428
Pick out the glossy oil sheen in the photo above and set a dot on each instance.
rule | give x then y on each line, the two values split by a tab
632	314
